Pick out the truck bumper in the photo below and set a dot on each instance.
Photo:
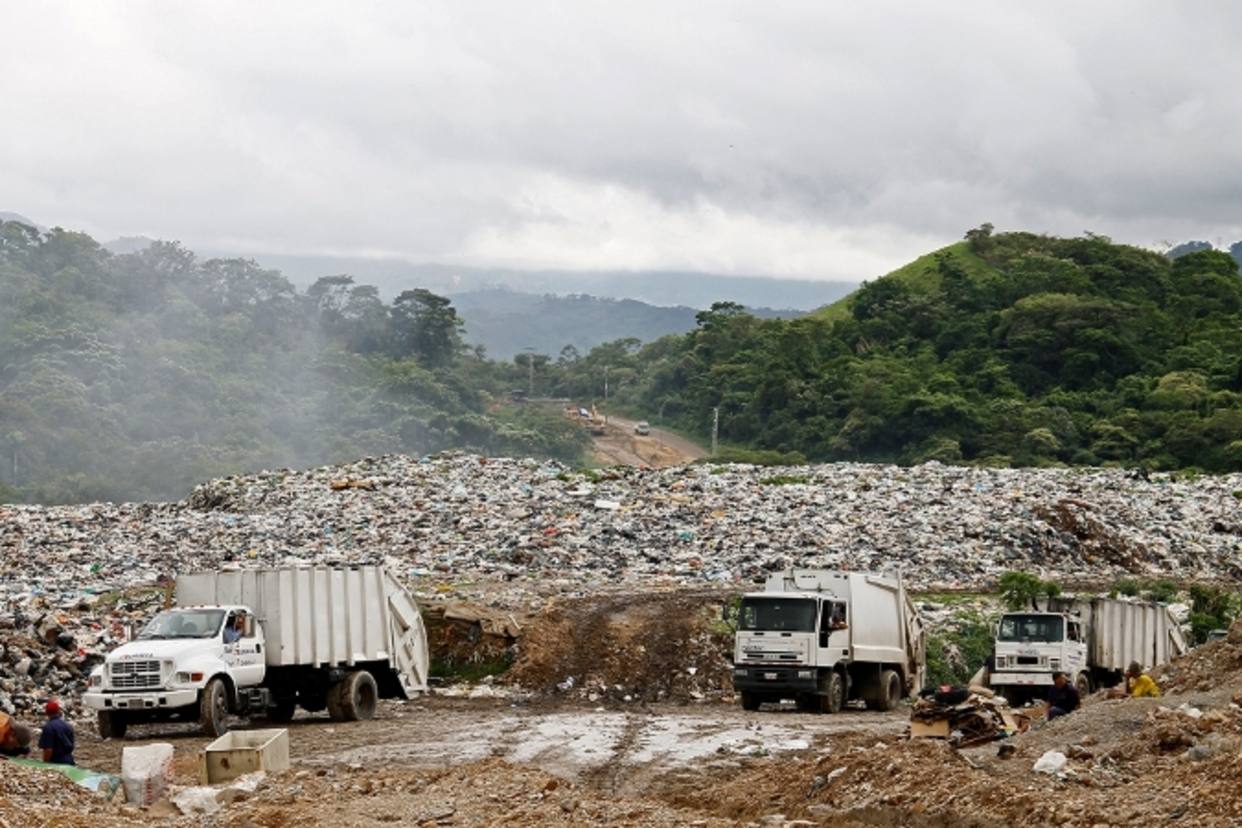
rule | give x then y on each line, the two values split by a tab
1020	679
154	700
776	679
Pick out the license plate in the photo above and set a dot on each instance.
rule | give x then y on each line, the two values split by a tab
771	676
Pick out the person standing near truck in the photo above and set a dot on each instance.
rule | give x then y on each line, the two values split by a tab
1063	697
56	740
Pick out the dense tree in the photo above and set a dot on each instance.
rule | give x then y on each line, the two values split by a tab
135	376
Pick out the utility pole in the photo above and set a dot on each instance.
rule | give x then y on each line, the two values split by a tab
605	395
530	372
715	429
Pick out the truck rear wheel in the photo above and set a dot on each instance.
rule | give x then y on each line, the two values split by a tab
213	708
112	725
834	694
750	701
887	692
354	698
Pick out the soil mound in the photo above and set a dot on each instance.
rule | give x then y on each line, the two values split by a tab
655	647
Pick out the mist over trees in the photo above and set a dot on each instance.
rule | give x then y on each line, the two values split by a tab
135	376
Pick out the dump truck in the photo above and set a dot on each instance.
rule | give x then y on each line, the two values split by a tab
1091	640
319	638
823	638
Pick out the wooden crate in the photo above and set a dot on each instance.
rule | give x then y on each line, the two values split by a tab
240	752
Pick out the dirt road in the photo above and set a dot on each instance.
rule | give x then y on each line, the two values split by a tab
620	751
620	446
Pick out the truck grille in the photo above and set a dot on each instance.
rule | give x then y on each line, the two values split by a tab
133	675
755	655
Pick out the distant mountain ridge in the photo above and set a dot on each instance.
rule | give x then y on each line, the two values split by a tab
507	322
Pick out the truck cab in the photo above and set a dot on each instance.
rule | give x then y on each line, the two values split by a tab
181	655
1031	646
790	642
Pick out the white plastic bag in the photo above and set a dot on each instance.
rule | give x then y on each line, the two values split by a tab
146	772
1051	762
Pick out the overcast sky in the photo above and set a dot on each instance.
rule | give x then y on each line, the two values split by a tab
819	139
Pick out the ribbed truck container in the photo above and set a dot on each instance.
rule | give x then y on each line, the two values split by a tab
324	617
1120	632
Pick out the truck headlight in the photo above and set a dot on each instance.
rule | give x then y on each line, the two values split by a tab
1001	661
806	674
96	680
1054	663
188	678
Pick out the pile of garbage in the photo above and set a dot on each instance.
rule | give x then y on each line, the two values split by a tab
510	533
48	647
964	716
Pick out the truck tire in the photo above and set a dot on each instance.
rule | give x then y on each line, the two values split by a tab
750	701
887	692
834	694
282	711
213	708
1083	685
357	696
112	725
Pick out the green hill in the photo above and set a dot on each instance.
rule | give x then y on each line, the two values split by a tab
921	275
1009	349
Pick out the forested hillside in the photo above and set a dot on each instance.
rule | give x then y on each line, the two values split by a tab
1003	349
135	376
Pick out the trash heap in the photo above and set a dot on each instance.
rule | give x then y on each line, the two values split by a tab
511	533
964	716
48	648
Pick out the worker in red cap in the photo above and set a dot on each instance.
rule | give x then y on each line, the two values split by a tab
56	740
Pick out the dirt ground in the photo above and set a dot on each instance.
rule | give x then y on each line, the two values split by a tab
533	748
620	446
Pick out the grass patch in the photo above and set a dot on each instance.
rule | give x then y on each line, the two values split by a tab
785	480
954	655
468	671
756	457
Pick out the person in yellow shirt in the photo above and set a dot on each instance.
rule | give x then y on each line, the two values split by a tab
1140	683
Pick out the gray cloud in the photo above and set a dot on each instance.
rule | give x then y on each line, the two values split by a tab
807	139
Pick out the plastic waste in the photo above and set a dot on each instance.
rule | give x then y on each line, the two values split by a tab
146	771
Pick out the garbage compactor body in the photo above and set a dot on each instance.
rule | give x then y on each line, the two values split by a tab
1091	640
263	642
823	638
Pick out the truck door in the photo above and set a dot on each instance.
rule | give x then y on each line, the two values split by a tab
245	656
834	634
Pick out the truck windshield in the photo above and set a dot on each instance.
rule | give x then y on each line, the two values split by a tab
203	623
777	614
1047	628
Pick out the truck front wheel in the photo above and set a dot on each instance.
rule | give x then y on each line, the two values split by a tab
354	698
1083	685
834	694
213	708
112	724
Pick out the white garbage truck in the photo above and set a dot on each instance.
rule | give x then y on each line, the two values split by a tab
1091	640
263	642
823	638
